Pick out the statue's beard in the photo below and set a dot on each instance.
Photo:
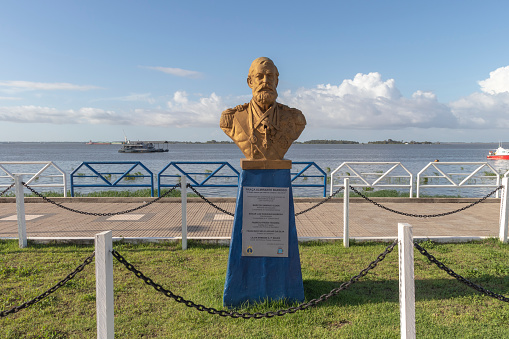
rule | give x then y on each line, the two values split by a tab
265	97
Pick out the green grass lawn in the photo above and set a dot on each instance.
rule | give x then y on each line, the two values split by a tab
445	308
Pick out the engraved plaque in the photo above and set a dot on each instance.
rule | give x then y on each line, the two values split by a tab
265	221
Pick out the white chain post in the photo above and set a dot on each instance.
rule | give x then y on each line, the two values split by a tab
504	206
497	195
183	195
406	281
346	207
65	184
104	285
20	211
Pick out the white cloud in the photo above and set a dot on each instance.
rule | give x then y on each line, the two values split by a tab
177	72
364	86
44	86
29	114
498	82
486	109
181	112
482	110
180	97
40	114
368	102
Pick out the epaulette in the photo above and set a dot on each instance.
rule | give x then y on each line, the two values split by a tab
227	118
228	115
301	119
296	113
241	107
282	106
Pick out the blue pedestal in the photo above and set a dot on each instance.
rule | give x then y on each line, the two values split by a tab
254	279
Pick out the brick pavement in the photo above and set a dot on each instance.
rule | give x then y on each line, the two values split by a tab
163	219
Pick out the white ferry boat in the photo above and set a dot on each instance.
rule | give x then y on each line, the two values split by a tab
140	147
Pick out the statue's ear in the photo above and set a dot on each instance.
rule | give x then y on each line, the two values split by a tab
249	82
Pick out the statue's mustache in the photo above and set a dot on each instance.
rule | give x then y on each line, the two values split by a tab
265	88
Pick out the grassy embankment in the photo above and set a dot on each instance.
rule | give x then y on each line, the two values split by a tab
123	193
445	308
176	193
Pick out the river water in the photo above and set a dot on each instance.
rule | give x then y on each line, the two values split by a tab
69	156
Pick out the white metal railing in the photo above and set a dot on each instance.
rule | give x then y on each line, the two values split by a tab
465	174
34	176
372	174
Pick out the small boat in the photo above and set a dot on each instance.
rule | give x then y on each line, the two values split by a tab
140	147
500	153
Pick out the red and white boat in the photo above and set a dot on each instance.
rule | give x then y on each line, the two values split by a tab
499	154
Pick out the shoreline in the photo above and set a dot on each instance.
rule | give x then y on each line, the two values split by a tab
231	143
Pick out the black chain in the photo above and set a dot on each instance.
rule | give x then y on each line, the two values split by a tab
5	190
100	214
51	290
232	214
459	277
426	215
209	202
233	314
321	202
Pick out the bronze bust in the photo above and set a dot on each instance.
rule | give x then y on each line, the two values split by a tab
263	129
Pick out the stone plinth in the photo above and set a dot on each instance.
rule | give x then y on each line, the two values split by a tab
251	279
248	164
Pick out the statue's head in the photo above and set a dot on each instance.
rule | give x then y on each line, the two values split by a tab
263	78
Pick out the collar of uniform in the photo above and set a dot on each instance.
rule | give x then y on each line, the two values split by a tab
258	116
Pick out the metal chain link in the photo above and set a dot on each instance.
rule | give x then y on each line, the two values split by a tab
426	215
100	214
51	290
459	277
321	202
209	202
5	190
232	214
234	314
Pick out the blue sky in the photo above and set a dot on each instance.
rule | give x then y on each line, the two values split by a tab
165	70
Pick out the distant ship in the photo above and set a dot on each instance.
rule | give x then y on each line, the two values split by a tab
141	147
98	143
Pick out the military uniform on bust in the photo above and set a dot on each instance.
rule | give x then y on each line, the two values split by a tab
263	135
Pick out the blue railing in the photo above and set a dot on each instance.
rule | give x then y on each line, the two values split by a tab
205	178
198	174
302	175
109	178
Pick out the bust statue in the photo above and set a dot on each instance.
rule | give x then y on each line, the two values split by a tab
263	129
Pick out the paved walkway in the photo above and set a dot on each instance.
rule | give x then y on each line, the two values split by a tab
163	218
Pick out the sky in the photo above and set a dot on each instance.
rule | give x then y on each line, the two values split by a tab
165	70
